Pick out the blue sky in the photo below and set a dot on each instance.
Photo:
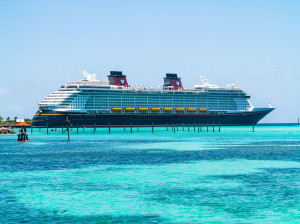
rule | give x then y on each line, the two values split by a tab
253	44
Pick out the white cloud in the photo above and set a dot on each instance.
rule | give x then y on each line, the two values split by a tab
37	81
4	91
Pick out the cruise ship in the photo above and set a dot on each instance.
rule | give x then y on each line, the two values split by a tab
90	102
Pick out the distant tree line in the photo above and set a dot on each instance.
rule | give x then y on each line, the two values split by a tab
8	120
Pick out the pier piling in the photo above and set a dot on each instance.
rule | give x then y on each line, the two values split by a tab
109	128
68	133
130	127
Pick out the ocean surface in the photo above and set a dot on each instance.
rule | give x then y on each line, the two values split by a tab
232	176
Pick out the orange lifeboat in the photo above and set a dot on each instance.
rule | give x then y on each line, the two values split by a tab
155	109
166	109
116	109
179	109
143	109
129	109
202	109
191	109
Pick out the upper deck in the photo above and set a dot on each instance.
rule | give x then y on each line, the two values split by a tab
90	94
104	86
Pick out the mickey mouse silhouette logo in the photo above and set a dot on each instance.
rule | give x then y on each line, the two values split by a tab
177	83
122	81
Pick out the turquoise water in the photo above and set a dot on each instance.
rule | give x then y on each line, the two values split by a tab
235	176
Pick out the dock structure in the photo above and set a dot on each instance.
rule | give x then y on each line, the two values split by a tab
131	128
23	136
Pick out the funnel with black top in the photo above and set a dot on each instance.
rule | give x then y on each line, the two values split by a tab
171	81
117	78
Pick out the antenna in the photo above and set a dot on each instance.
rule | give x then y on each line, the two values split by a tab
85	74
203	79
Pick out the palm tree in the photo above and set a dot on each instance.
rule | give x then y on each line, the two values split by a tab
7	119
1	119
15	118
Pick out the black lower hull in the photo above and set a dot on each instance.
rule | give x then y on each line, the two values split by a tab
53	118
